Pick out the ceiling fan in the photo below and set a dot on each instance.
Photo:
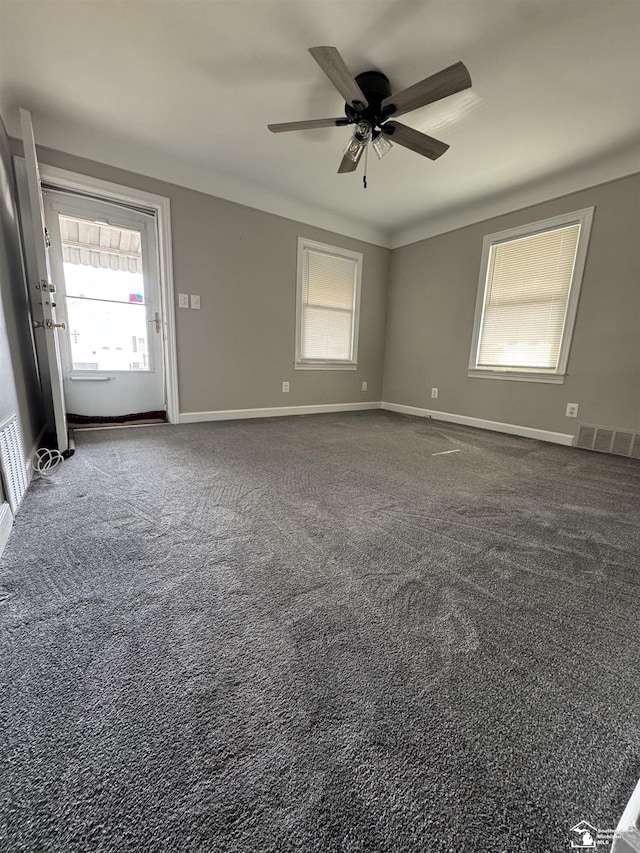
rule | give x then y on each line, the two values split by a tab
370	105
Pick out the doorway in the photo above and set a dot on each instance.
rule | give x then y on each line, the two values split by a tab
104	259
32	179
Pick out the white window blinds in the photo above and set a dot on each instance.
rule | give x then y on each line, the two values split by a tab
525	303
328	304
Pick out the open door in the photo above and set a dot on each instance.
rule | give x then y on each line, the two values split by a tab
41	290
104	261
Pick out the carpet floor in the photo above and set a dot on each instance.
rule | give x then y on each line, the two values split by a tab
320	634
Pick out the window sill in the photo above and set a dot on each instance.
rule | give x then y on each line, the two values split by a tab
517	376
325	365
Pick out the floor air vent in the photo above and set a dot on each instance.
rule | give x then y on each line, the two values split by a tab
12	464
606	440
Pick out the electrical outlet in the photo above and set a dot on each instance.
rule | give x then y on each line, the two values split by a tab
183	300
285	387
364	386
434	393
195	301
572	410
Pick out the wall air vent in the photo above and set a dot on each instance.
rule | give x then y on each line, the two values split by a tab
620	442
603	440
12	462
586	437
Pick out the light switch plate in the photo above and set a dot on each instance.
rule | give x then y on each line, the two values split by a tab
183	300
195	301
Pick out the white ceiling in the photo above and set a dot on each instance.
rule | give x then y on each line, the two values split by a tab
183	91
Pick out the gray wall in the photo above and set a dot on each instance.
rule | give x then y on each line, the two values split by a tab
19	383
235	352
431	305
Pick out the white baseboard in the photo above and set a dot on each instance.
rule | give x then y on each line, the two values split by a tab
511	429
281	411
6	523
275	412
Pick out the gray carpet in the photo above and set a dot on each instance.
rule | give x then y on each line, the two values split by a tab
312	634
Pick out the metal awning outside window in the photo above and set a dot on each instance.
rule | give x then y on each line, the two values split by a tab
99	245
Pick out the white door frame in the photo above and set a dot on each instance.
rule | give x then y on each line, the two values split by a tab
161	206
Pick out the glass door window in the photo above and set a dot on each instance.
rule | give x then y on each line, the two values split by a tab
105	296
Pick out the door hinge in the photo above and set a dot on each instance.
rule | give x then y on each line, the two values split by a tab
51	325
45	287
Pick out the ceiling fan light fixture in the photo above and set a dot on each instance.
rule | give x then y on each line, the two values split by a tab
359	141
382	146
354	149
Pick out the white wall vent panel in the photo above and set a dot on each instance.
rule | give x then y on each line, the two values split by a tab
620	442
12	462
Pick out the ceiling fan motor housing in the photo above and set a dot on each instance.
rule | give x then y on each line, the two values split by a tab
375	87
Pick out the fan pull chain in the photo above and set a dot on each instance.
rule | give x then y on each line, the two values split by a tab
366	157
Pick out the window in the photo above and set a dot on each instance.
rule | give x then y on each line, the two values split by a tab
528	294
328	303
105	299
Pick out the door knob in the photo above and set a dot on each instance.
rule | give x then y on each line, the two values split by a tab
157	321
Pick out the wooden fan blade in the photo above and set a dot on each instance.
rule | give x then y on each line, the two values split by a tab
347	165
414	140
334	66
447	82
308	125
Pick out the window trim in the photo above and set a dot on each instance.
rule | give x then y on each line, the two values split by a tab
582	217
301	363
